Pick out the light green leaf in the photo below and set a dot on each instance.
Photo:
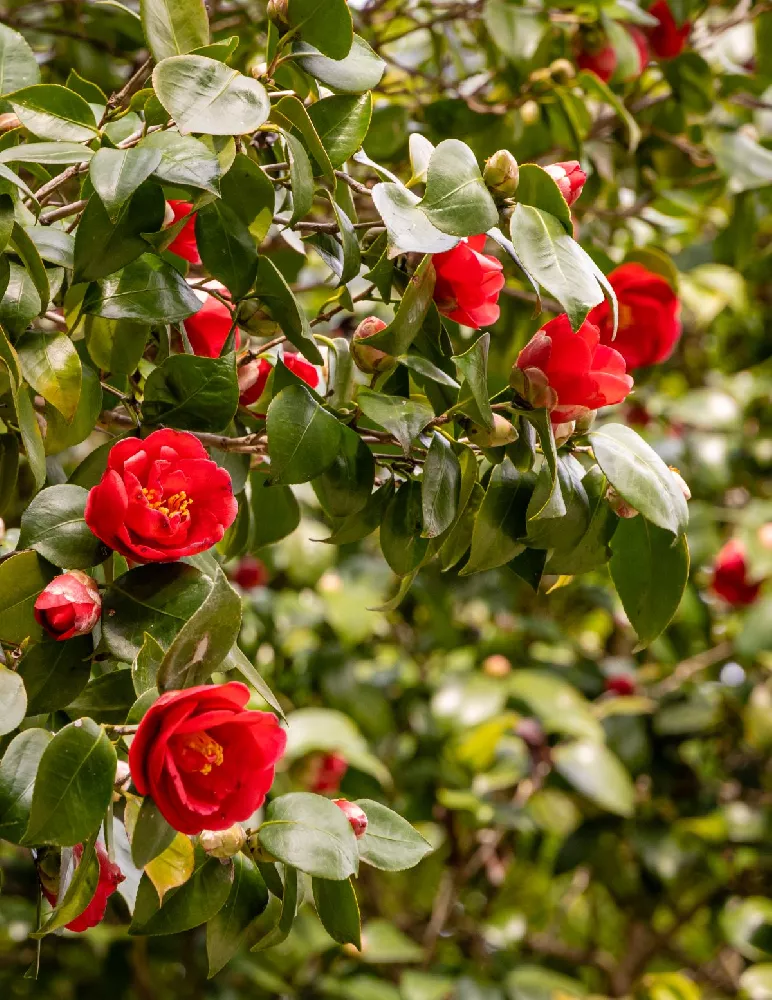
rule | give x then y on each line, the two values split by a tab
456	199
174	27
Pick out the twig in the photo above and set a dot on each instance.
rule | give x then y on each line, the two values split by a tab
686	669
62	213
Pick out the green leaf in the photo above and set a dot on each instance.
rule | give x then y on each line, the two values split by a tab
204	95
311	834
352	256
151	834
31	437
194	903
53	525
562	529
275	511
515	30
117	173
156	600
361	69
404	418
595	772
303	438
238	660
18	771
204	640
20	303
50	153
456	199
558	705
411	312
301	178
192	393
50	363
500	524
277	296
247	190
402	541
358	526
144	668
103	247
59	433
18	65
473	397
345	487
337	908
591	550
536	188
148	290
184	160
13	700
650	571
55	673
115	345
230	928
53	112
408	228
291	115
639	475
78	894
174	27
227	248
269	929
107	698
554	505
342	122
441	487
390	842
73	787
53	245
9	470
22	577
593	84
325	24
556	261
24	246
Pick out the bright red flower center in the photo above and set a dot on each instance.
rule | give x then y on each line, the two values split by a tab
177	503
199	752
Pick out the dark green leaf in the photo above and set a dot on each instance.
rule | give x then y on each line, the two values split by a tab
79	892
275	511
59	433
9	469
564	529
107	698
325	24
148	290
25	247
337	908
361	69
53	112
592	550
345	487
192	393
303	438
227	931
13	700
144	669
404	418
276	922
501	521
247	190
20	303
18	65
53	525
311	834
364	522
22	577
103	247
276	295
55	673
342	123
441	487
473	397
390	842
301	178
18	771
50	363
194	903
184	160
227	248
291	115
53	245
411	312
402	542
117	173
151	834
116	345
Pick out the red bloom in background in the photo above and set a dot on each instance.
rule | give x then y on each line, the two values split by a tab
326	772
253	376
206	762
649	311
730	575
667	40
208	329
600	61
641	44
569	177
573	371
621	684
304	370
161	499
110	877
184	243
70	605
250	573
468	283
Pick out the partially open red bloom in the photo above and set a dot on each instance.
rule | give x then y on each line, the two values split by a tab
601	61
355	814
667	40
208	329
250	573
161	499
70	605
730	575
569	177
205	761
184	243
253	376
110	877
326	772
468	283
579	373
649	316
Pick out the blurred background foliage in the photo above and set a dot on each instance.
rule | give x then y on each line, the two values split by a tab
557	872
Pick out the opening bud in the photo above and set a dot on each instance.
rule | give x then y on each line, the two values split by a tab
369	360
503	433
223	843
354	814
681	482
277	11
502	174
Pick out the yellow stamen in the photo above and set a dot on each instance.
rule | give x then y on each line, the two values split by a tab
177	503
211	751
626	316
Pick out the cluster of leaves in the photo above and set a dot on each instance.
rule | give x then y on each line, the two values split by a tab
537	859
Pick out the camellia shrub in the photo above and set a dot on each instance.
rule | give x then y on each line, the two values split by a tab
401	334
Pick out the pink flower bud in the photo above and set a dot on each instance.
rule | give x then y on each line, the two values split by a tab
569	177
250	573
369	360
69	606
354	814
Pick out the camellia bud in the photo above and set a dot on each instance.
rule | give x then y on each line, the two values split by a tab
253	377
529	112
569	177
619	505
250	573
681	482
502	173
621	684
69	606
277	10
562	432
369	360
256	850
503	433
585	422
354	814
765	535
562	70
533	385
223	843
496	665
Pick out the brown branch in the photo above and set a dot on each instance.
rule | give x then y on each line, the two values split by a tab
686	669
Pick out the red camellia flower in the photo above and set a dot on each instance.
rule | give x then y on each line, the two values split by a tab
205	761
70	605
326	772
667	40
620	684
600	61
184	243
110	877
208	329
649	311
356	816
730	575
573	371
161	499
250	573
468	283
253	376
569	177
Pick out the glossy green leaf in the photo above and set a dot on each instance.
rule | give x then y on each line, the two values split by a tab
20	302
390	842
24	246
404	418
501	521
248	192
54	245
50	111
230	928
277	296
537	188
592	549
18	771
325	24
342	123
402	541
115	345
184	160
194	903
79	893
303	438
55	673
456	199
561	529
310	833
359	71
174	27
59	433
148	290
276	922
411	312
357	526
595	772
409	230
292	115
50	153
53	525
337	908
226	247
650	570
117	173
18	65
13	700
192	393
107	698
73	786
440	487
301	177
345	487
103	247
150	835
31	437
204	95
473	397
275	511
144	668
22	577
9	469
